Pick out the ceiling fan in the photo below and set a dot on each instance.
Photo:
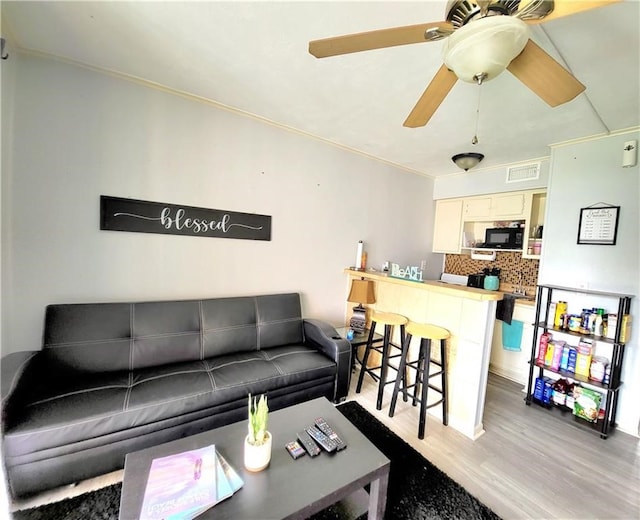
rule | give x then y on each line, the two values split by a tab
483	37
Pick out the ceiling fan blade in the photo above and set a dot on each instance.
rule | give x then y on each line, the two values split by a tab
433	96
370	40
544	75
568	7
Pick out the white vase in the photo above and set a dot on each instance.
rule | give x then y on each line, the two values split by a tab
257	458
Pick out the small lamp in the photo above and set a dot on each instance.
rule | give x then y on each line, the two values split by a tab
361	292
467	160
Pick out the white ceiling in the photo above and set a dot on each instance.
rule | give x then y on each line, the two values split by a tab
252	56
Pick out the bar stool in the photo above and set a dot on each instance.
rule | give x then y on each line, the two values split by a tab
389	320
427	333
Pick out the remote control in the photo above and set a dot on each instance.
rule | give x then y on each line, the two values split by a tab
325	442
324	427
307	443
294	449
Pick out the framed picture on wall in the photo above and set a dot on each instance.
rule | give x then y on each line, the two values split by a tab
598	225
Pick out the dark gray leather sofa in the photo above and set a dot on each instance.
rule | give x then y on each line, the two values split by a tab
113	378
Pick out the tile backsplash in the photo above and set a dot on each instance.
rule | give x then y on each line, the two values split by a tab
511	266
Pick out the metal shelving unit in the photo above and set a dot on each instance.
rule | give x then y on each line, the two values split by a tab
610	389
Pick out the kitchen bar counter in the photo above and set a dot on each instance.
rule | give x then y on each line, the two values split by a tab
461	291
469	315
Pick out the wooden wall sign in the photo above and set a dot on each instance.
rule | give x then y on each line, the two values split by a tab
118	214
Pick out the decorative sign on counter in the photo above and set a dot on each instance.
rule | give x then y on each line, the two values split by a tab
598	225
413	273
118	214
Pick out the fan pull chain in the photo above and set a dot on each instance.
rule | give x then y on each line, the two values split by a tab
475	136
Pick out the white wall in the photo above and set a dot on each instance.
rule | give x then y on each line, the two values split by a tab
7	77
79	134
583	174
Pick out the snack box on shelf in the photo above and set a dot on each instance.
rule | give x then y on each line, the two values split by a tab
583	360
586	403
542	390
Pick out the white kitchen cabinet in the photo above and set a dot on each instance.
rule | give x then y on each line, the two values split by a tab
477	208
473	215
447	230
511	206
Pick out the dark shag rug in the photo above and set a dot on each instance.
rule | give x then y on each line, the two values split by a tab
417	489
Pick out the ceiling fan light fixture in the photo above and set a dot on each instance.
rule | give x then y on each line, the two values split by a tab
467	160
487	45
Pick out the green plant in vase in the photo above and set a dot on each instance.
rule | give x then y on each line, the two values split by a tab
258	417
257	445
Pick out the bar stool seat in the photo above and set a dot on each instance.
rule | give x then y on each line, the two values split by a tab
422	367
379	372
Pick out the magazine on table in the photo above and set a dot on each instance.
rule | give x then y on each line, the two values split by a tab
232	476
184	485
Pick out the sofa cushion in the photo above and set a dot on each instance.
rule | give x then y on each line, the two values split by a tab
279	320
108	337
63	411
165	333
88	337
229	325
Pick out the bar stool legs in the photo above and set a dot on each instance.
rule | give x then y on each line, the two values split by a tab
422	366
389	320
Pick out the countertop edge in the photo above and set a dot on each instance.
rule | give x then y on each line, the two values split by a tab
461	291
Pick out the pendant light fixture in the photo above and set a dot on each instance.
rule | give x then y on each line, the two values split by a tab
467	160
485	48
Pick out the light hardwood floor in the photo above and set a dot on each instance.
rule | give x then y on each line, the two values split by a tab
528	464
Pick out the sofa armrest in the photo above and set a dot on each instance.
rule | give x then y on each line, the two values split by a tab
326	339
12	367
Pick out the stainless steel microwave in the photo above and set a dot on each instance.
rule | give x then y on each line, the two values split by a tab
503	238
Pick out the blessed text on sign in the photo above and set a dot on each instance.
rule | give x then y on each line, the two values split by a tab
118	214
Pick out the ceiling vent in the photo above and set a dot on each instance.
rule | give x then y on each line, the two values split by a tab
524	172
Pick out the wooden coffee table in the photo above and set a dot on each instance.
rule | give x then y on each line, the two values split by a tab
288	488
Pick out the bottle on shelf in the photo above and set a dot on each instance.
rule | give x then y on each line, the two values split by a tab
561	308
598	323
593	314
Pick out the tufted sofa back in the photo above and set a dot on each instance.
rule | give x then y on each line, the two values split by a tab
99	337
